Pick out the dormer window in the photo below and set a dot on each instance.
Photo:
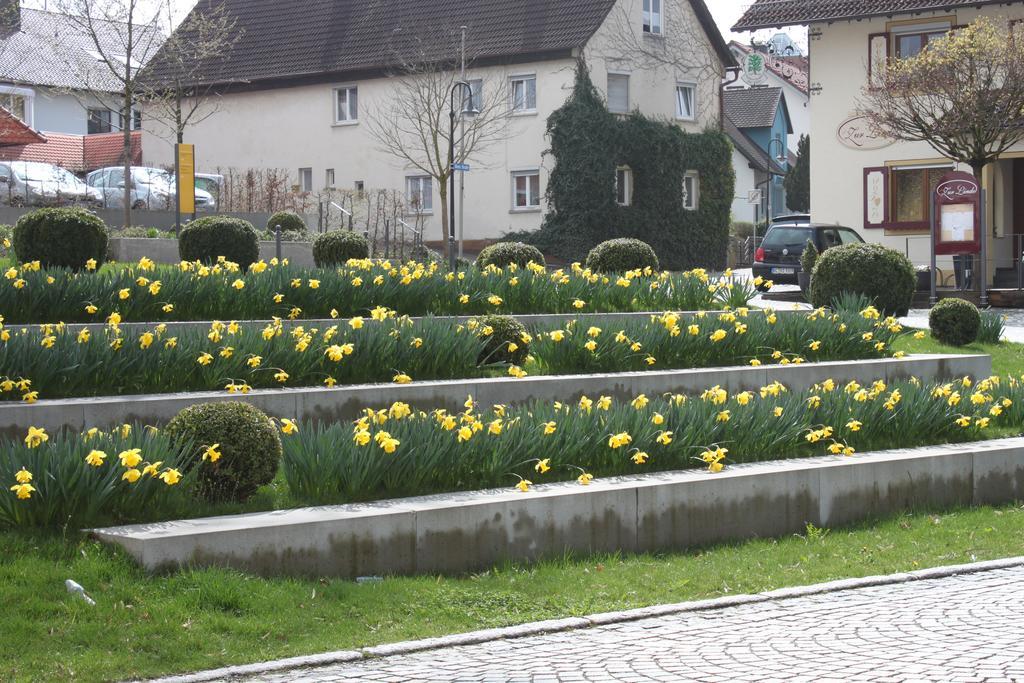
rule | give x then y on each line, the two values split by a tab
652	17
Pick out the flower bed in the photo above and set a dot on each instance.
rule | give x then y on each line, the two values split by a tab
401	450
147	292
53	362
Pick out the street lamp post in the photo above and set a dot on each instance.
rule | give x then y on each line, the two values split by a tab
467	97
771	174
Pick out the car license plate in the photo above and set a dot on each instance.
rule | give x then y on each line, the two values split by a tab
783	271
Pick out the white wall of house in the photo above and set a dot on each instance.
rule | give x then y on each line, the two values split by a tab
839	53
746	179
54	111
294	128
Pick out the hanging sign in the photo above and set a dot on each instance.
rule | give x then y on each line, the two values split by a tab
957	200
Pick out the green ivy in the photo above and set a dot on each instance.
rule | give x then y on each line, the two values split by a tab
588	143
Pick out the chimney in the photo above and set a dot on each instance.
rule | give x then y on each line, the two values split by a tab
10	15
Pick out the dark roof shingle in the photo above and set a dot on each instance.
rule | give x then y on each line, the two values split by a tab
749	149
779	13
310	39
752	107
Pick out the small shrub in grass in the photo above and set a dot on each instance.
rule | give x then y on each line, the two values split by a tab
621	255
247	442
993	325
287	221
507	339
504	254
809	257
335	248
954	322
74	479
60	238
883	275
209	238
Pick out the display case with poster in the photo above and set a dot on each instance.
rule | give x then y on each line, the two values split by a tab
957	214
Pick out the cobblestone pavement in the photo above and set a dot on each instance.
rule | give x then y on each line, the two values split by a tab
960	628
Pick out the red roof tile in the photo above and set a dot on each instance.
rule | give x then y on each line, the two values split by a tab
78	153
13	131
779	13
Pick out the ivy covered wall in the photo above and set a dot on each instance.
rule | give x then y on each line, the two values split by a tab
588	143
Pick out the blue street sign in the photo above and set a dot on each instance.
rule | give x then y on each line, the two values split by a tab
460	167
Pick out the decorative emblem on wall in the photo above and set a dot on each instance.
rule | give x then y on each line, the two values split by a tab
755	71
856	133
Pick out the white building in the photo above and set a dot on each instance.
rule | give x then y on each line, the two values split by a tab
879	186
298	90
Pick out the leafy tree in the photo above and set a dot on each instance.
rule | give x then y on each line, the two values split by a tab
798	181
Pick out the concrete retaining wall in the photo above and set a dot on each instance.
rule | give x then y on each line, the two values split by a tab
347	402
468	531
131	249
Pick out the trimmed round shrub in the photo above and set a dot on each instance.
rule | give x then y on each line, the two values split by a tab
207	239
503	254
955	322
621	255
883	275
335	248
505	330
249	445
289	222
60	238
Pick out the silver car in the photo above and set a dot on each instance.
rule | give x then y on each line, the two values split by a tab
30	183
151	188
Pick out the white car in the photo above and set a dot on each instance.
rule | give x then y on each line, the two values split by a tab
30	183
151	188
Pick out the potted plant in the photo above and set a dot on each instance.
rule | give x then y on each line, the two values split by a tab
807	261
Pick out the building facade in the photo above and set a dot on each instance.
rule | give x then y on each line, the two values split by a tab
313	119
880	186
760	120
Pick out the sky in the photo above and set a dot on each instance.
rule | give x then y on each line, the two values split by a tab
726	12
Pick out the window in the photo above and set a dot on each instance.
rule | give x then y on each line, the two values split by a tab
524	93
137	119
15	104
102	121
911	44
359	187
624	186
910	190
305	180
476	96
329	178
346	104
618	93
691	190
686	101
525	190
652	17
419	194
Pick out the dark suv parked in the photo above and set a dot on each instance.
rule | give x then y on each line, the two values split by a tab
778	257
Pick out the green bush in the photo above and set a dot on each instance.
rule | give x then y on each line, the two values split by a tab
206	239
883	275
289	222
247	440
60	238
505	330
335	248
502	254
620	255
954	322
742	229
809	258
286	236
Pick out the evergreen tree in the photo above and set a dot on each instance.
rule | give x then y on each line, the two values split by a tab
798	181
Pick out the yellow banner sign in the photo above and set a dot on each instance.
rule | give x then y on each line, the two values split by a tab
186	166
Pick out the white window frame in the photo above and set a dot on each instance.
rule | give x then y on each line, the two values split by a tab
329	179
691	200
515	174
652	21
627	175
26	94
349	120
306	179
524	79
476	93
626	76
425	208
693	101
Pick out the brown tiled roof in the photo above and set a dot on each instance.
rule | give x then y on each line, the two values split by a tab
752	107
77	153
14	131
287	41
779	13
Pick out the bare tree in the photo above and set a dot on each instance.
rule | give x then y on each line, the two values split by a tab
684	52
963	94
179	85
121	36
412	122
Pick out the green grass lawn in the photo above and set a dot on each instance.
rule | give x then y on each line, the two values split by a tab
1007	357
149	625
